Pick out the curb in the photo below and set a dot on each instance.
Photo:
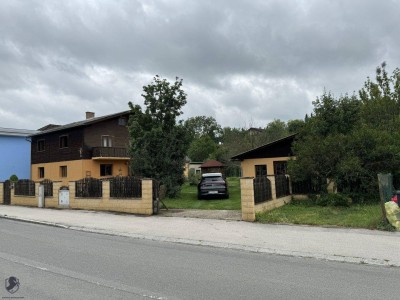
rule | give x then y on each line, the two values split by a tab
253	249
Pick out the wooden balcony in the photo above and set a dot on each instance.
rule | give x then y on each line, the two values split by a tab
99	153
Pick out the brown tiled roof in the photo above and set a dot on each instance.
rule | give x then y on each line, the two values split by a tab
211	163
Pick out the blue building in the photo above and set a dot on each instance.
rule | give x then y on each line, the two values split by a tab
15	153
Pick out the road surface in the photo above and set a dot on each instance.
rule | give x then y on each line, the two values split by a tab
56	263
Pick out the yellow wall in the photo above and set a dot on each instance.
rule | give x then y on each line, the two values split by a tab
248	165
142	205
189	166
78	169
1	193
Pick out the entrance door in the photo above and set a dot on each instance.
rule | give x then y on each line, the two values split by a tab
63	197
7	192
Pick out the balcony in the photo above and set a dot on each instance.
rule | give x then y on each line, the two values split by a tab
99	153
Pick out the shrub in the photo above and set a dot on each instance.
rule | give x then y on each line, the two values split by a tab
333	200
194	178
14	178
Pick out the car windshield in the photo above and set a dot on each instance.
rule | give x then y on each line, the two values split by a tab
214	178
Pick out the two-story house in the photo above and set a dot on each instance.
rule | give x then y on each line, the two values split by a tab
96	147
15	154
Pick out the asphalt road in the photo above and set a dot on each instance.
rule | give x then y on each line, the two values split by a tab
55	263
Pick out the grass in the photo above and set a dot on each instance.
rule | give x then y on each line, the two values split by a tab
188	198
303	212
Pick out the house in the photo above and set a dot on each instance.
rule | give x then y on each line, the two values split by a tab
95	147
212	166
266	160
192	166
15	158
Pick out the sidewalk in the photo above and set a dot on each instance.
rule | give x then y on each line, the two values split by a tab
346	245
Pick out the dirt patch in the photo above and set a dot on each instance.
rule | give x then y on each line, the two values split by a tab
234	215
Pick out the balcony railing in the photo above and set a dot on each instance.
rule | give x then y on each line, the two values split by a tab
98	152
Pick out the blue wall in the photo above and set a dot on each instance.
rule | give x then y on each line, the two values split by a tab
15	157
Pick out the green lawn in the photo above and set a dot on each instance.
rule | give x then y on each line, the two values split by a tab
188	198
298	212
303	212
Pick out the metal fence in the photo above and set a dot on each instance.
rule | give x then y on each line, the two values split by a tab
25	187
262	189
89	188
307	187
48	187
282	186
109	152
125	187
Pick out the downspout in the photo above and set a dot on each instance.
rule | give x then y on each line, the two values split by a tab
29	139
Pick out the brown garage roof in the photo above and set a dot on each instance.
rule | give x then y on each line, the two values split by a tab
211	163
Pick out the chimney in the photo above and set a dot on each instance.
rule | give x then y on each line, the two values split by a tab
89	115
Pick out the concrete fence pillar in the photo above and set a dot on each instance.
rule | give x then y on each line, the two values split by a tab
1	192
247	199
147	196
273	186
106	190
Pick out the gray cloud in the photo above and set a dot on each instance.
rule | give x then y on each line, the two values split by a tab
242	61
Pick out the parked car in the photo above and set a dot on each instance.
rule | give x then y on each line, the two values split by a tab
212	185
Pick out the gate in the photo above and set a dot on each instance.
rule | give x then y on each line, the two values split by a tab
156	197
7	192
63	197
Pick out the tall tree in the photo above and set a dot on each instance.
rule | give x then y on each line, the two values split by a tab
275	130
202	148
201	126
158	142
349	140
295	126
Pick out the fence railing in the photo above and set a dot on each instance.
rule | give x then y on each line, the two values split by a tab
109	152
89	188
125	187
306	187
282	186
262	189
48	187
24	187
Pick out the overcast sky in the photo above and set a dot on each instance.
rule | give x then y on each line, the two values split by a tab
245	63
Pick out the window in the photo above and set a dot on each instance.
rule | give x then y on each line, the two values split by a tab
106	141
64	141
261	170
105	170
63	171
122	121
40	145
41	172
280	167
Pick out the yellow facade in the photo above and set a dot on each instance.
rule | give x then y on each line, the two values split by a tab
248	165
78	169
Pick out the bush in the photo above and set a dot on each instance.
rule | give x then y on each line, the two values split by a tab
194	178
13	178
333	200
